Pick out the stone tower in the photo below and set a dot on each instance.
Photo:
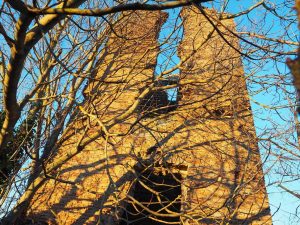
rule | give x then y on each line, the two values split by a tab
192	159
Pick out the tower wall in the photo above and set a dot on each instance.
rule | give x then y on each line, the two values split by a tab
93	178
225	177
207	140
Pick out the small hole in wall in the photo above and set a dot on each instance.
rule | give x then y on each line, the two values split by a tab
219	112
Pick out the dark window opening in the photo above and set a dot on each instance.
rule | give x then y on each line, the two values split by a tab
161	101
160	193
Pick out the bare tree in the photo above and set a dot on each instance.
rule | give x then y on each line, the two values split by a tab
92	84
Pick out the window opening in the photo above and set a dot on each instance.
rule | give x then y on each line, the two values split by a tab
158	192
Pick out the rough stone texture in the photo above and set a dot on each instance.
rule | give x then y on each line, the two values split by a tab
208	138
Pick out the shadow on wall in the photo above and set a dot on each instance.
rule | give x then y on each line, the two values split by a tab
190	161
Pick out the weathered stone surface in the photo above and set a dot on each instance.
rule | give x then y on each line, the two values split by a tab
208	138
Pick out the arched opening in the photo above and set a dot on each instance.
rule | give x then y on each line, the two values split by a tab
155	199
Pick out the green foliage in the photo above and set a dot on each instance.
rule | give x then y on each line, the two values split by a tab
21	141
